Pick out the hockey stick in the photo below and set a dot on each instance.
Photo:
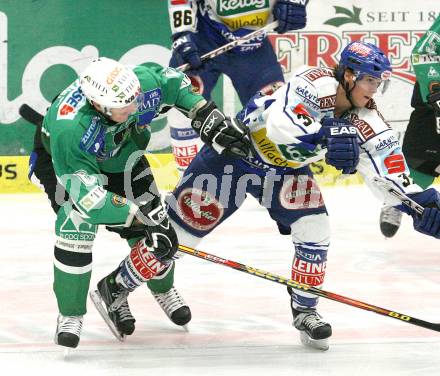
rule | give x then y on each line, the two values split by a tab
310	289
387	186
30	115
34	117
229	46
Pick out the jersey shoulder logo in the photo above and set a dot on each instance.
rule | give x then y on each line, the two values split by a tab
72	101
149	106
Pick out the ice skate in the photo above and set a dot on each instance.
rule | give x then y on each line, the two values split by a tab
390	219
174	306
68	330
110	299
314	331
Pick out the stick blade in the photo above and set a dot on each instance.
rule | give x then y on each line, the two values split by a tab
31	115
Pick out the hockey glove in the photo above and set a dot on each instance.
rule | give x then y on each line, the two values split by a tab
429	222
186	50
227	136
290	14
434	100
340	138
160	235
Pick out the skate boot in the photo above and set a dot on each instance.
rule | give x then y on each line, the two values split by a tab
390	219
68	330
110	299
314	330
174	306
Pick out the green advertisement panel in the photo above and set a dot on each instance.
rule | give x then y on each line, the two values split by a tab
45	44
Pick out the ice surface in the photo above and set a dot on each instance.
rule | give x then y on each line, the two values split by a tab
241	324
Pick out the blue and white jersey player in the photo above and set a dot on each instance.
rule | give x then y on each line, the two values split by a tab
320	113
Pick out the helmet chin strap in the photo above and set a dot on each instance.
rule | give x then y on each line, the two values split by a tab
348	91
107	111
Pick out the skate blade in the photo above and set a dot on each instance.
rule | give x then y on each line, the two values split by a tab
318	344
66	353
96	298
185	328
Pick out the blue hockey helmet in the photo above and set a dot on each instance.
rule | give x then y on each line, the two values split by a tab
364	59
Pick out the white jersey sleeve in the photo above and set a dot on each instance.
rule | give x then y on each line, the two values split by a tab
380	153
285	126
287	118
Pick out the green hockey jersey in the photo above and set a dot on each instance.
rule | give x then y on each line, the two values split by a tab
84	143
426	59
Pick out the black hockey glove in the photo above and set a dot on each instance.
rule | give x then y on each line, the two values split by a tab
186	50
290	14
340	138
159	234
227	136
434	101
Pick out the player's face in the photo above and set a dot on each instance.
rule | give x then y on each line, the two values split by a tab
120	115
364	90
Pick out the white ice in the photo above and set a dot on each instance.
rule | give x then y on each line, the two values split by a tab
241	324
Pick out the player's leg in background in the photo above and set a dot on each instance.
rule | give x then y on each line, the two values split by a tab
205	196
255	71
298	208
185	142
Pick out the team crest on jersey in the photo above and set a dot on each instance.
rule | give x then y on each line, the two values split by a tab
118	201
69	106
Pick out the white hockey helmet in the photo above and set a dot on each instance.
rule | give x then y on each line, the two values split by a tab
109	83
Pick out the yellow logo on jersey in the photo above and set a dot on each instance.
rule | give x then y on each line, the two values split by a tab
252	21
269	151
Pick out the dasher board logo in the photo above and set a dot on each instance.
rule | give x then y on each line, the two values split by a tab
234	7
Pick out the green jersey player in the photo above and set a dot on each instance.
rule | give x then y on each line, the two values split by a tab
421	143
90	160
